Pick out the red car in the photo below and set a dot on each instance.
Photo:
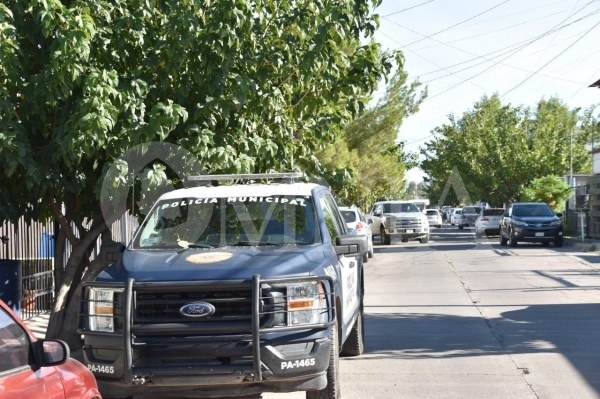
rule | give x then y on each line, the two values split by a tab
39	368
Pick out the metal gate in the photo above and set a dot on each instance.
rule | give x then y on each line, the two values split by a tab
30	248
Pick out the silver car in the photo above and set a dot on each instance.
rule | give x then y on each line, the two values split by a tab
488	222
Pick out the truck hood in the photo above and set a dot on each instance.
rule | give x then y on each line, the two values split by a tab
404	215
228	263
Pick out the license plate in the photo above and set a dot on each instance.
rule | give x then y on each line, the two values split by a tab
540	234
410	231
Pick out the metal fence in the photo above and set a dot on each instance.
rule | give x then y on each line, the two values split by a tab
29	249
27	263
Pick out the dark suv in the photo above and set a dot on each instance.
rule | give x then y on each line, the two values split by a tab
531	222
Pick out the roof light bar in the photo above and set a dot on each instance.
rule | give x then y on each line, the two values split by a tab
247	176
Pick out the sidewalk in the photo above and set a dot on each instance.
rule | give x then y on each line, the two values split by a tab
584	245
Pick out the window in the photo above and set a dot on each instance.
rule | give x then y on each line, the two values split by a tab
212	222
334	223
400	207
493	212
349	216
14	343
532	210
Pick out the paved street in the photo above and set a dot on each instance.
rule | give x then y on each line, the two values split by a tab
456	319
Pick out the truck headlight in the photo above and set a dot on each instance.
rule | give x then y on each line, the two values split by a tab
306	303
101	308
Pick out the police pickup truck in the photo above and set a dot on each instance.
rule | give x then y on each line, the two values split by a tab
229	291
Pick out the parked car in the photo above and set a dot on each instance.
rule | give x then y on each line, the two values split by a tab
468	216
398	218
488	222
39	368
455	216
531	222
446	210
356	220
434	217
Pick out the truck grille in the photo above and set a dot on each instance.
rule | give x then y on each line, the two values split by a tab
163	307
408	223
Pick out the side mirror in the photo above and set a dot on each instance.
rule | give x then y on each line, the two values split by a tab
50	352
370	221
559	214
352	245
111	252
378	214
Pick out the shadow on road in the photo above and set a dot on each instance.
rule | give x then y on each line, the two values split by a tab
572	331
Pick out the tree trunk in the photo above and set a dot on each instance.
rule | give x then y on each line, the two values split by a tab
63	319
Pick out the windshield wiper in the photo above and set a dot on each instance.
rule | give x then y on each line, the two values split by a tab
255	243
196	245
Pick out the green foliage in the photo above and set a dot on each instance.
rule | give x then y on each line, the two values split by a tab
498	149
550	189
367	154
243	86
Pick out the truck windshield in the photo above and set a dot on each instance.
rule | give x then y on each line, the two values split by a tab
213	222
400	207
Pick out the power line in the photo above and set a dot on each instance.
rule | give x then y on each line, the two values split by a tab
457	24
555	28
516	47
406	9
551	60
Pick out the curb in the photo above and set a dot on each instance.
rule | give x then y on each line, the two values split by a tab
586	245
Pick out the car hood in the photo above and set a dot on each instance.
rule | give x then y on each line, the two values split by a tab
229	263
536	219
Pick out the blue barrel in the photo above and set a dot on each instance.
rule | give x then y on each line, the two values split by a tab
10	283
47	245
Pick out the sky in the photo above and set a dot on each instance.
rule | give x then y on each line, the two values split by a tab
463	50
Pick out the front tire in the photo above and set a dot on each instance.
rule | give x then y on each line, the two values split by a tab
512	241
355	343
503	239
425	239
385	238
332	390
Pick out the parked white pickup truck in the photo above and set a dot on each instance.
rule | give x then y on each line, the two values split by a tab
401	219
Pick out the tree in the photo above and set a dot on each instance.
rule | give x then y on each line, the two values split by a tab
499	149
367	152
552	190
242	86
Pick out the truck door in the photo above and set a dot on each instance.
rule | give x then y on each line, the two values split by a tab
348	266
